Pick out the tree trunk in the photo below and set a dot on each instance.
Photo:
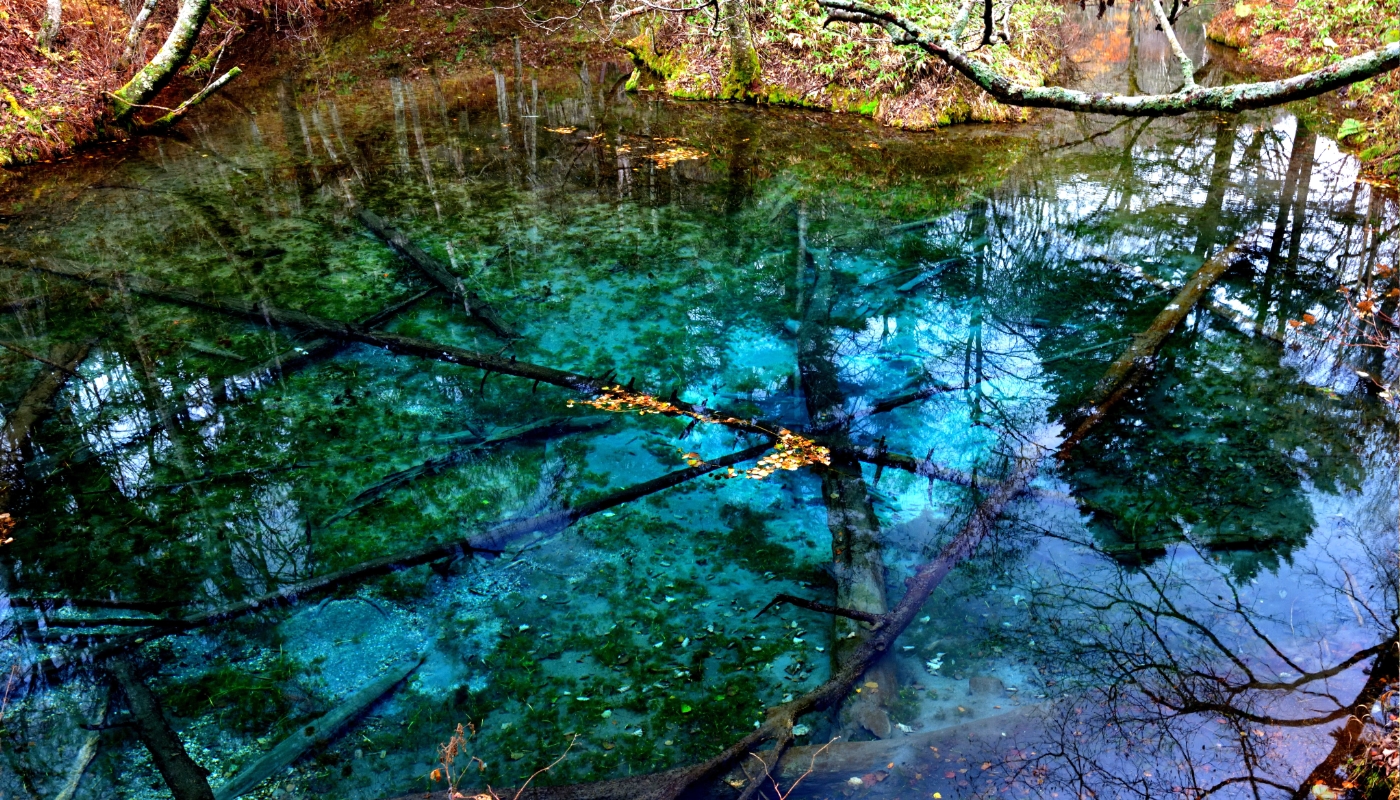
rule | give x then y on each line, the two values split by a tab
49	27
160	70
185	778
741	67
133	36
1124	373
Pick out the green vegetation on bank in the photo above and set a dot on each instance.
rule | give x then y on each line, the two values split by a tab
1295	37
805	64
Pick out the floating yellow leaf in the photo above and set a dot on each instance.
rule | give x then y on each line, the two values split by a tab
675	155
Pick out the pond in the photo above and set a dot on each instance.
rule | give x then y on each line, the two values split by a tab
341	544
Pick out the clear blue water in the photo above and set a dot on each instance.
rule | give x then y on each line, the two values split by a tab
1176	607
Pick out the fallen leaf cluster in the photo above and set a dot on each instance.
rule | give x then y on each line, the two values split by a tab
791	451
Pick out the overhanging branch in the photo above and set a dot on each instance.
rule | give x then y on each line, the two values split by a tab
1239	97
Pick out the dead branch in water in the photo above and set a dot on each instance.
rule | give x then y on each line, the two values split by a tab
490	541
478	308
544	429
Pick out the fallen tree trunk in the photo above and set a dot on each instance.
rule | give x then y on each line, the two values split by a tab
490	541
317	733
34	406
478	308
187	780
548	428
1140	357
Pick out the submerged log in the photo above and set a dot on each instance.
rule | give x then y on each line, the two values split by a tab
187	780
1140	357
318	733
478	308
491	541
272	316
1226	313
547	428
31	601
313	350
20	304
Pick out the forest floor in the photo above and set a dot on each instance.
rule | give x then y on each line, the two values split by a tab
1284	37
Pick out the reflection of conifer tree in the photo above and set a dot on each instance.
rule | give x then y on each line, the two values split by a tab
857	546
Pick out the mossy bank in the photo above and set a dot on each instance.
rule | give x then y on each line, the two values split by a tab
1292	36
802	63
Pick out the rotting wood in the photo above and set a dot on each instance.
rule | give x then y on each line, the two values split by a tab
546	428
489	541
187	780
34	406
316	733
476	306
1141	356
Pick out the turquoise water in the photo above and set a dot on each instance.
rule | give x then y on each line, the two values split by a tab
1177	606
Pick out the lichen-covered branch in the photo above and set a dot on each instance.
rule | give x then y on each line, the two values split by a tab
179	112
1237	97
